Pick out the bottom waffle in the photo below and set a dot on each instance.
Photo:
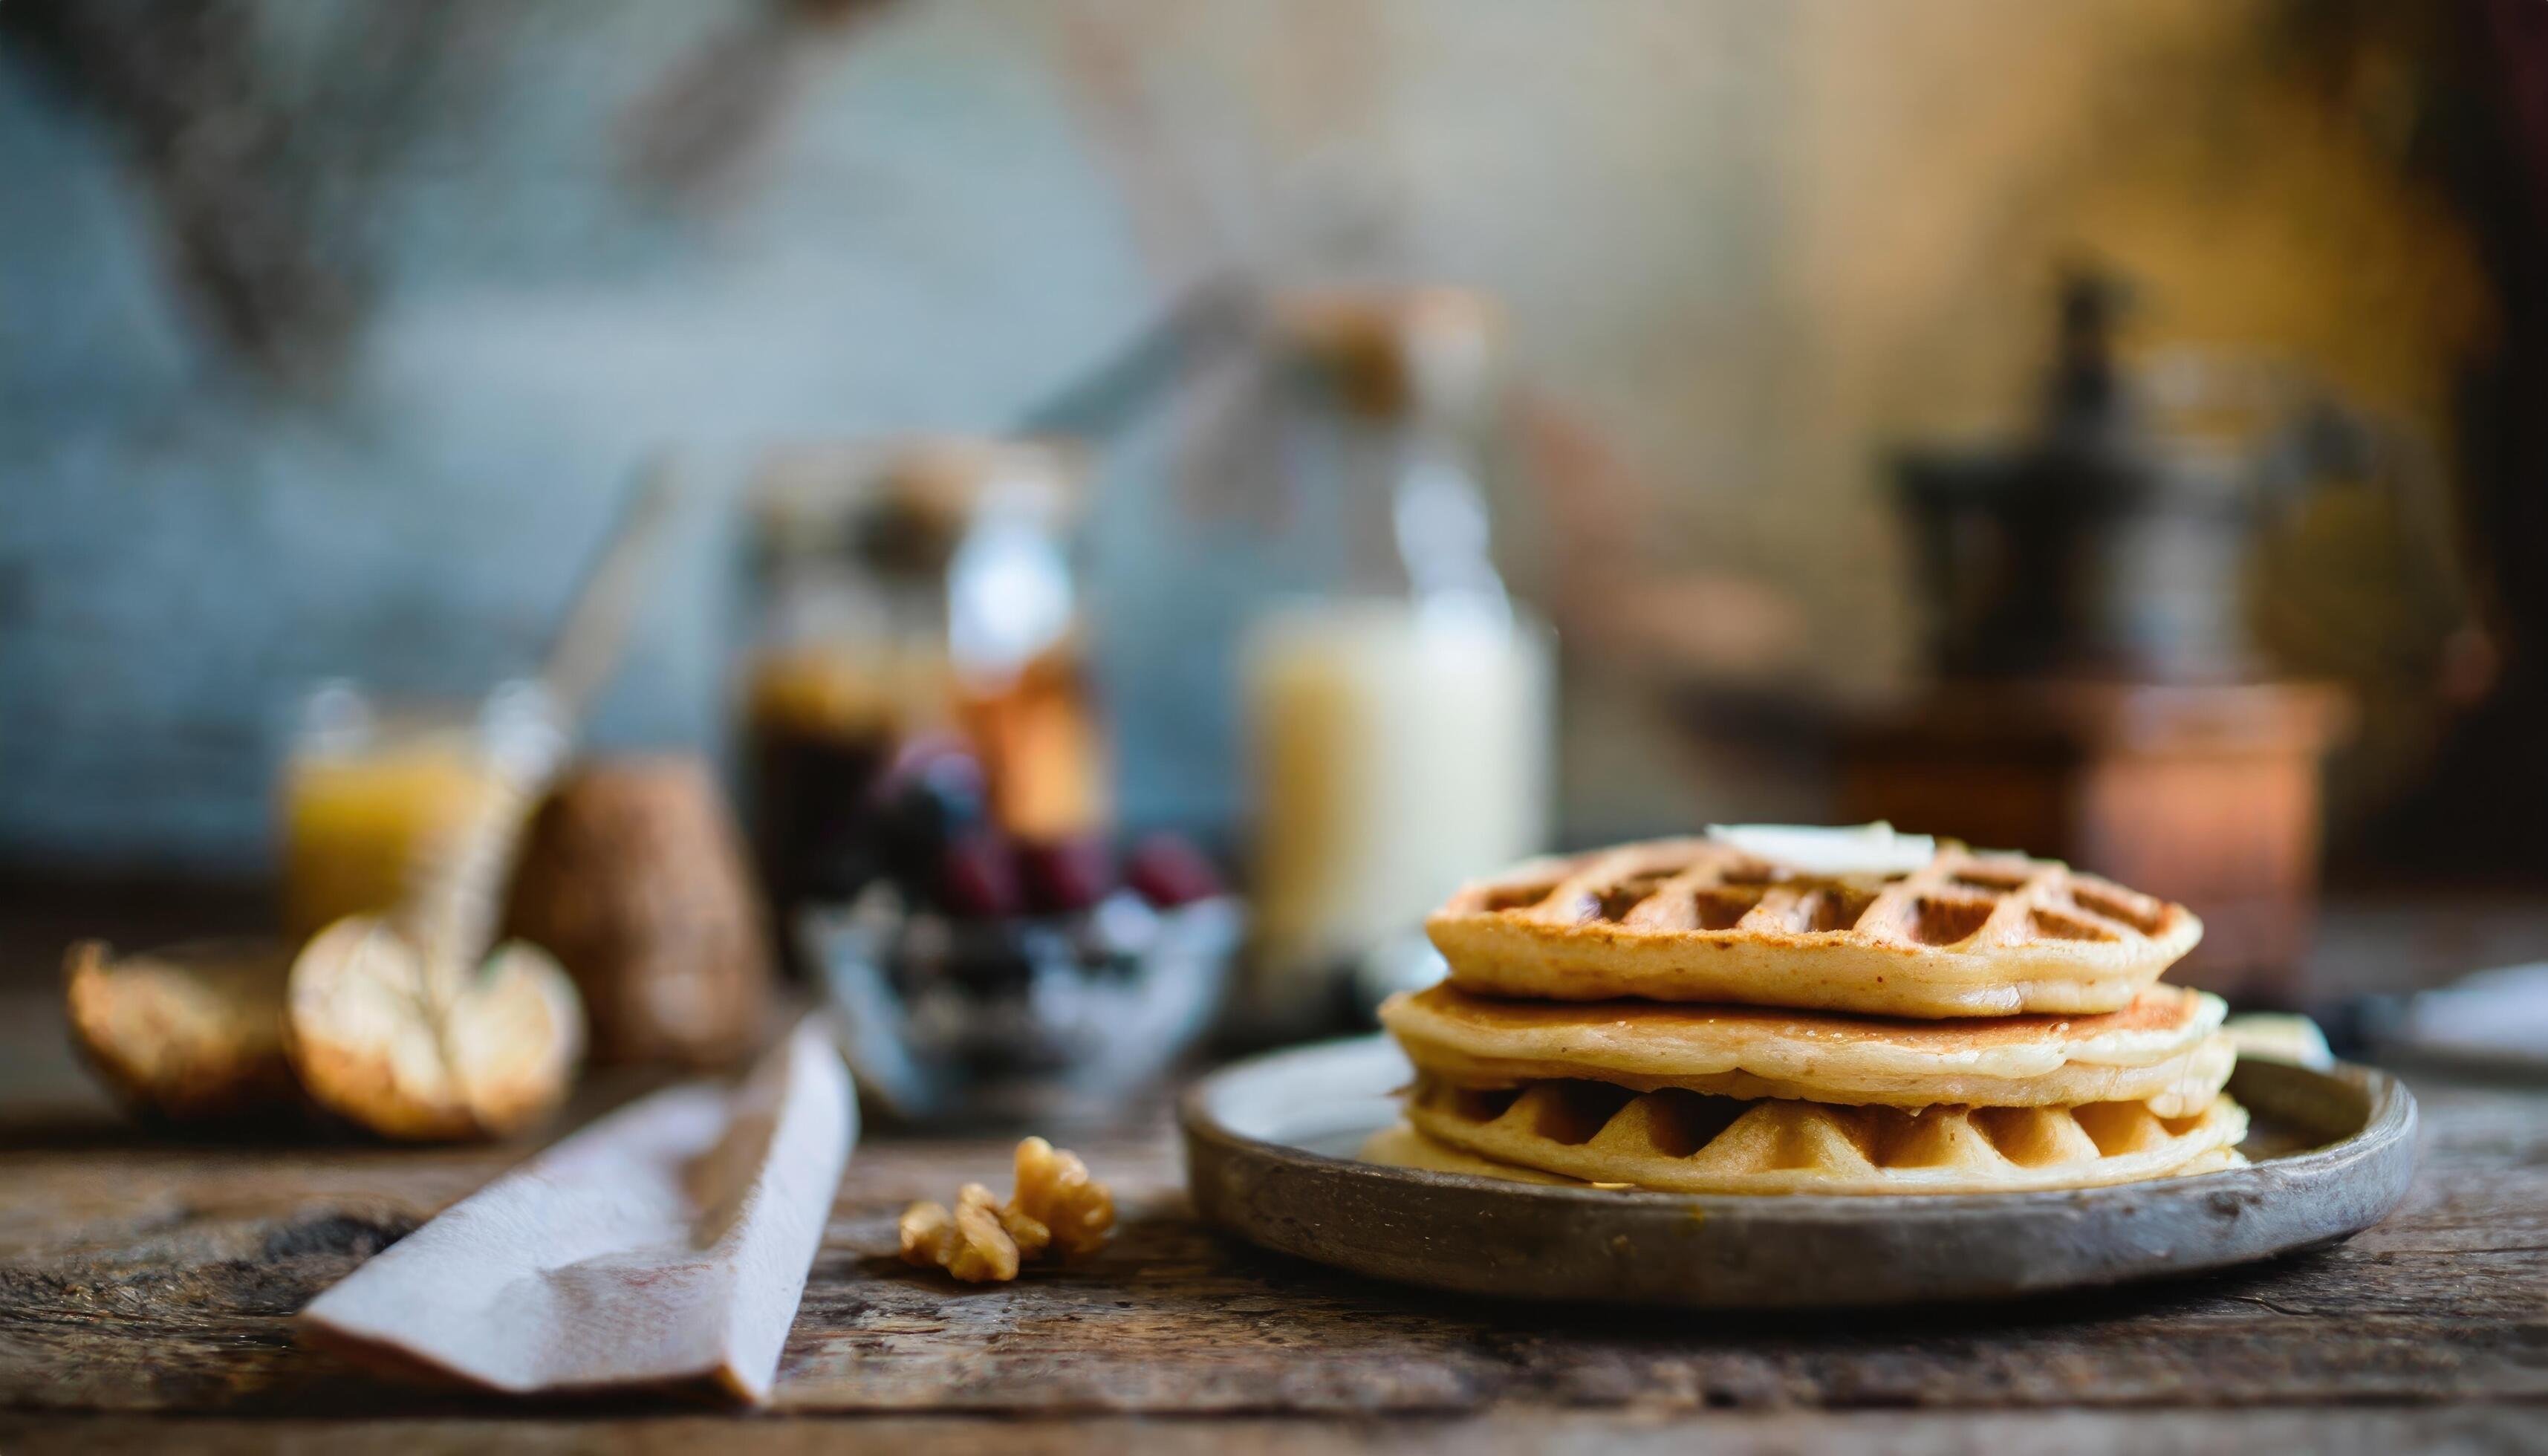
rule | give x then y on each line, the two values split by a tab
1399	1145
1685	1142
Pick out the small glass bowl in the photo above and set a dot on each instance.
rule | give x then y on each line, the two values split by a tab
1050	1020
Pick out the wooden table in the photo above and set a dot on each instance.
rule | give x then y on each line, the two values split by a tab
146	1289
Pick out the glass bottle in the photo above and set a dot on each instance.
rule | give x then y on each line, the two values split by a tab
1399	721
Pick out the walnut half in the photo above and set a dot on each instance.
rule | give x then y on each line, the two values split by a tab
1056	1209
1057	1194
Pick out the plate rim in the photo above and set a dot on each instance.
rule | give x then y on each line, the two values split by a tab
2390	1117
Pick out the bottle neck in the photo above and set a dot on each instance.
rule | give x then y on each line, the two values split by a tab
1411	512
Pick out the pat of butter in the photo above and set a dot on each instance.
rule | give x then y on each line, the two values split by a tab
2275	1035
1864	849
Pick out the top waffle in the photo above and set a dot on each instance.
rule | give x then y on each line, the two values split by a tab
1694	920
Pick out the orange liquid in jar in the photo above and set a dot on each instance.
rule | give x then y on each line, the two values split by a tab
1040	746
357	820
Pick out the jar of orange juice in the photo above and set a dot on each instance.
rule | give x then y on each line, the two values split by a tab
375	795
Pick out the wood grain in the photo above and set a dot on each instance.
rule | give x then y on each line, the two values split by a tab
144	1277
2489	1427
146	1287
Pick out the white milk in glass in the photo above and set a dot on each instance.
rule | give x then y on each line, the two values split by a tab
1398	748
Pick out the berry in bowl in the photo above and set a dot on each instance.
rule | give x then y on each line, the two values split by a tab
985	978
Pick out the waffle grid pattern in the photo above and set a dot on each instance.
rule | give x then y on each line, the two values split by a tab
1959	901
1683	1142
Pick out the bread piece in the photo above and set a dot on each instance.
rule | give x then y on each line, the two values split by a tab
415	1047
191	1032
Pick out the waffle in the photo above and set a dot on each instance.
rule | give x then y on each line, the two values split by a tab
1399	1145
2164	1050
1684	1142
1692	920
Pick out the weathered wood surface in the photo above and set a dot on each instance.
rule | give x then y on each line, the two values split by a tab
145	1277
146	1284
2330	1432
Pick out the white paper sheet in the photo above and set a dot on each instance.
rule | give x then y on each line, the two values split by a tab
666	1243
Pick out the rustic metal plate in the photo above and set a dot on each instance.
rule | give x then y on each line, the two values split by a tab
1270	1156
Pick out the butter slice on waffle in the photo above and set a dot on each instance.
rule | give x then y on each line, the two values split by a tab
1684	1142
2165	1050
1694	920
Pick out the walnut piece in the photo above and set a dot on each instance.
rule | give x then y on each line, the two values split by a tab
1057	1209
984	1253
970	1243
928	1234
1057	1194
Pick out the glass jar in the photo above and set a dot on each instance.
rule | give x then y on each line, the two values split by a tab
377	794
912	588
1399	719
930	799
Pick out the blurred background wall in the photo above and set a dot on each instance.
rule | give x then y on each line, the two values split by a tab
329	333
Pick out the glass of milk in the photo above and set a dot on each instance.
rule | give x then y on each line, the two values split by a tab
1400	726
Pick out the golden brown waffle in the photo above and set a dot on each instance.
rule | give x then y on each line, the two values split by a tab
1692	920
1684	1142
2165	1050
1399	1145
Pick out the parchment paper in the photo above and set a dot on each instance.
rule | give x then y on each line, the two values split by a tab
666	1244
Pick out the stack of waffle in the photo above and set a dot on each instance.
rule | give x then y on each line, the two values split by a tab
1701	1016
